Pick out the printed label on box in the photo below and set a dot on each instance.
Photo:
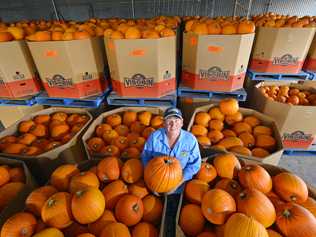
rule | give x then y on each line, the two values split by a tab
138	80
19	76
285	60
59	81
214	74
297	139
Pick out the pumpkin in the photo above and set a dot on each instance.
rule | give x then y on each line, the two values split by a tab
255	204
17	175
83	180
113	120
39	130
132	170
273	233
191	219
152	209
290	217
290	187
226	165
101	128
8	192
163	174
229	133
215	124
239	225
129	210
240	150
259	152
241	127
138	189
254	176
36	199
130	153
110	150
145	117
157	121
56	212
252	121
20	224
113	192
262	130
207	172
4	175
247	139
60	116
26	139
217	204
108	169
86	235
230	142
215	136
120	142
137	127
14	148
75	229
266	142
202	118
49	232
234	118
147	131
228	106
58	131
109	135
144	229
199	130
92	199
61	176
138	142
115	229
25	126
310	204
215	113
206	234
194	190
97	226
229	185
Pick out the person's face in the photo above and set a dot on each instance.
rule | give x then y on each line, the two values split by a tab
173	124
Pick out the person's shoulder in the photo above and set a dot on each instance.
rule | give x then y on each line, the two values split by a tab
188	135
158	133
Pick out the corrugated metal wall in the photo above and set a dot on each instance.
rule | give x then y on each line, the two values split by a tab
83	9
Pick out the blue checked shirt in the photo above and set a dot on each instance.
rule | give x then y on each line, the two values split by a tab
186	150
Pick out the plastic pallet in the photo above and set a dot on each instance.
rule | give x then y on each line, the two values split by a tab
89	102
262	76
312	75
183	91
301	152
168	100
25	101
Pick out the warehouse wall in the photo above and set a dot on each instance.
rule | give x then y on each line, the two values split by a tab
83	9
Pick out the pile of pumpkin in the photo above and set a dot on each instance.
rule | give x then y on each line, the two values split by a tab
289	95
226	128
280	21
109	199
123	134
43	133
12	181
219	25
227	200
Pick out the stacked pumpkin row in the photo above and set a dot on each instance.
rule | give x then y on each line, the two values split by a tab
123	134
226	128
227	200
289	95
12	181
110	199
43	133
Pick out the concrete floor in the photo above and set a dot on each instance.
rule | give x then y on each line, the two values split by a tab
304	166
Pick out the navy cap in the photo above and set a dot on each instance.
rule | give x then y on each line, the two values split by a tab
172	111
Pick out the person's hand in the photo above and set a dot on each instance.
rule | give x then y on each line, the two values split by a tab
155	193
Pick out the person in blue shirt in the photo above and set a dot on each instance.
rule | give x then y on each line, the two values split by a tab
172	140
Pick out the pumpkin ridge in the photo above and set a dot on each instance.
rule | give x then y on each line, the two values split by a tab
156	171
162	177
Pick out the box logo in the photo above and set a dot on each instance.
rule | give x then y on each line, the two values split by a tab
2	82
59	81
87	76
285	60
214	74
18	76
167	75
139	80
297	139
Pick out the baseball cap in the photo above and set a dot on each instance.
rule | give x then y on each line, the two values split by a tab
172	111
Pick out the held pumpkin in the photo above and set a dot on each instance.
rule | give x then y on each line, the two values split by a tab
163	174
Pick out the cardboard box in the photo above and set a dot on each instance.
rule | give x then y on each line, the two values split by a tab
296	123
143	68
90	131
310	62
280	50
17	203
215	62
42	164
273	158
17	70
70	69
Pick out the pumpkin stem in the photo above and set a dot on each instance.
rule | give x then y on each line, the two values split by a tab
51	202
286	213
24	232
82	173
233	185
79	193
168	161
242	195
248	168
136	208
293	198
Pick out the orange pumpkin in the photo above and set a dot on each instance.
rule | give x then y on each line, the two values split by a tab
139	143
195	190
255	204
138	189
252	121
145	117
162	174
234	118
75	229
97	226
86	235
58	131
290	187
120	142
109	135
207	172
129	210
101	128
227	165
26	139
108	169
132	170
49	232
266	142
230	142
254	176
122	130
259	152
113	120
199	130
83	180
229	185
20	224
240	150
129	117
147	131
228	106
114	230
215	124
310	204
36	199
110	150
17	175
273	233
229	133
215	136
113	192
144	229
215	113
241	127
56	211
191	220
130	153
61	176
92	199
262	130
217	204
25	126
4	175
152	209
14	148
202	118
8	192
156	122
247	139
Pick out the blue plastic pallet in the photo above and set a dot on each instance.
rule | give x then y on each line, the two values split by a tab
183	91
89	102
301	152
262	76
25	101
168	100
312	75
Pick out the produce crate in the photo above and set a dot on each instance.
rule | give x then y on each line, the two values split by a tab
25	101
265	76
